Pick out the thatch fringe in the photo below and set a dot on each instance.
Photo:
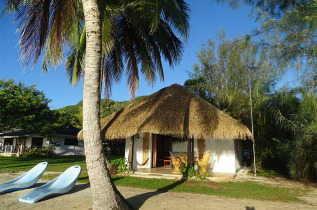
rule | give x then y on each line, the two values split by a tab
173	111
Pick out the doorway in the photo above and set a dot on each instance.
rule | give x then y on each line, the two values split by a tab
21	144
162	145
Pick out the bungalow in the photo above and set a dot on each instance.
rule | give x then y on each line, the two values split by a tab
177	121
20	141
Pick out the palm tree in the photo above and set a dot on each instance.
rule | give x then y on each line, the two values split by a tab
54	24
125	38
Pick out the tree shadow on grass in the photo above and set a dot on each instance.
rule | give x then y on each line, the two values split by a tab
86	178
138	200
116	178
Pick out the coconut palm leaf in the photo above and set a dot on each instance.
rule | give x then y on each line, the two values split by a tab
45	22
126	38
75	59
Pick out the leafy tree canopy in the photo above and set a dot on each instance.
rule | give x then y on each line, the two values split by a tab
289	29
301	146
222	76
27	108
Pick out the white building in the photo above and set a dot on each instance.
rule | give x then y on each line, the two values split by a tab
226	155
65	142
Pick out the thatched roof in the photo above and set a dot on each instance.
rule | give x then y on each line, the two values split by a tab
176	112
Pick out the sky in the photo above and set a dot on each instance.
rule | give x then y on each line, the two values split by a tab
206	19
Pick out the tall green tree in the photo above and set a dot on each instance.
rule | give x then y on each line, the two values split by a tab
25	107
272	139
22	106
222	76
302	148
51	22
288	29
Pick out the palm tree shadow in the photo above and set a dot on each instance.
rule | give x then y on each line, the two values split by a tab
77	188
138	200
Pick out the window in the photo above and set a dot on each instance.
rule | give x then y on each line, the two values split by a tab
8	141
37	142
73	142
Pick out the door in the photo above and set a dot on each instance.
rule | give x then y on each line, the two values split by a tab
21	144
8	145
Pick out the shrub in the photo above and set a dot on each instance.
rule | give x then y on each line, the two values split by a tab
188	171
39	152
121	164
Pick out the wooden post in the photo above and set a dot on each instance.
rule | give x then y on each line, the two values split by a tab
130	159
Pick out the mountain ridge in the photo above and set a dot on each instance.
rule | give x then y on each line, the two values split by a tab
107	107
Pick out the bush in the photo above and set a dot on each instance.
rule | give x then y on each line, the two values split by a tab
121	164
39	152
188	171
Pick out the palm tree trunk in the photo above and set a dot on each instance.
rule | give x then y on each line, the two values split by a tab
105	194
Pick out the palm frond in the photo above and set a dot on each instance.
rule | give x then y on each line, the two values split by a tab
112	69
34	24
75	59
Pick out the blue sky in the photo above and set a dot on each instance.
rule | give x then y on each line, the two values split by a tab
206	18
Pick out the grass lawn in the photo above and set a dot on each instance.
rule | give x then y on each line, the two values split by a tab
58	163
247	189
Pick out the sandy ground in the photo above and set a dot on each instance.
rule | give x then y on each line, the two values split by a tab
80	198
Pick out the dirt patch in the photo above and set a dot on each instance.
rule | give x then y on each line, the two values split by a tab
208	184
309	189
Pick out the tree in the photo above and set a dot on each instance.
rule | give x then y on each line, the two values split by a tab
288	30
272	139
302	146
51	22
22	107
222	75
137	42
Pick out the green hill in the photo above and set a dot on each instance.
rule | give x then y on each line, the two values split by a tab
73	109
107	107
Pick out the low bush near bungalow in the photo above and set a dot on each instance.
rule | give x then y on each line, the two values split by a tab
121	165
190	172
39	152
